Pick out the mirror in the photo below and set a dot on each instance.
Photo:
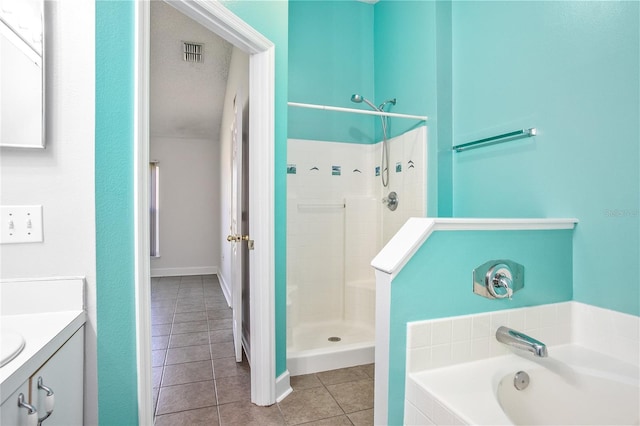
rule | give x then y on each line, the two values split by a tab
22	73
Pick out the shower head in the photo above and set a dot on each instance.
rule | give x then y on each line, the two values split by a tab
359	99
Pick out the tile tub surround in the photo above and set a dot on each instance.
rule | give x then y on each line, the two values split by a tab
449	341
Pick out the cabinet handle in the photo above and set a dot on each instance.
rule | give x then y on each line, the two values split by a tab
32	413
49	400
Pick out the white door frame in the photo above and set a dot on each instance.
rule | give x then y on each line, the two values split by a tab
218	19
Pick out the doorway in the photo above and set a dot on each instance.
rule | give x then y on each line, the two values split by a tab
218	19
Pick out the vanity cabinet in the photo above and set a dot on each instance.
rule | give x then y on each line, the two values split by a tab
10	413
62	373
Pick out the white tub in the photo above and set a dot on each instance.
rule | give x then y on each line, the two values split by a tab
573	386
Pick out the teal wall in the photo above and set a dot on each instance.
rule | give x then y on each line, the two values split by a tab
117	371
115	79
331	58
413	64
437	282
571	69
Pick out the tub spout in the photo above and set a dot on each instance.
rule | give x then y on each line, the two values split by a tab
519	340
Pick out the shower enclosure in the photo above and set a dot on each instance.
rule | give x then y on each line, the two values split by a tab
336	224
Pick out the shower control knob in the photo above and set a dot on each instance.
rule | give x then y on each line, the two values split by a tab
391	200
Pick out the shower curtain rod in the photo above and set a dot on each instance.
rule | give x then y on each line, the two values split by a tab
358	111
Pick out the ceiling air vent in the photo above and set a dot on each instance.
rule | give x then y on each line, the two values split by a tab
193	52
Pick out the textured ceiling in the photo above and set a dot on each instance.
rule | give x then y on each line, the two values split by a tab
186	98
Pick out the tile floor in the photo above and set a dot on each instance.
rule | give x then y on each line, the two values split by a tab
197	381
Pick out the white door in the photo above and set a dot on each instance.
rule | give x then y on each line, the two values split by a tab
236	237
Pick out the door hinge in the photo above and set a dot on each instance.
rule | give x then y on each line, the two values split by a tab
250	244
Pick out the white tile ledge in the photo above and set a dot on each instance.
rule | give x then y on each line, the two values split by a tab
417	230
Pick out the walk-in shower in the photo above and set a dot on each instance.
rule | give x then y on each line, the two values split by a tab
384	162
336	224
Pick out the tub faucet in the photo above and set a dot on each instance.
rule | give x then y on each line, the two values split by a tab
514	338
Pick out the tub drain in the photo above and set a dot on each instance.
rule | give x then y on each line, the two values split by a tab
334	339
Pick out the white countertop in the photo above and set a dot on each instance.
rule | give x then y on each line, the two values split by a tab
46	312
44	334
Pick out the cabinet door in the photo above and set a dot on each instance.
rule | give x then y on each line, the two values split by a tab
64	374
10	413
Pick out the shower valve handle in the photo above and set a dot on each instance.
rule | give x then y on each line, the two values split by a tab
391	200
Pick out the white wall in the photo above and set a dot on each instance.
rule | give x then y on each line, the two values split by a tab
189	206
336	224
238	80
61	177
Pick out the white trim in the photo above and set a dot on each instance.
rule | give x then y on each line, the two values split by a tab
215	17
261	225
226	289
358	111
183	271
283	386
383	326
141	209
415	232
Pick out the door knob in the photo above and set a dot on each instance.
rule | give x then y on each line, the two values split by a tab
237	238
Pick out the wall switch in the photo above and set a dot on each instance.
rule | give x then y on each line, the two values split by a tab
21	224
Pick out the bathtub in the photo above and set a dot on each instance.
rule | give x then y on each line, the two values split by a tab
573	386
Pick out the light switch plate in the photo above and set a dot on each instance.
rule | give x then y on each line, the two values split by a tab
21	224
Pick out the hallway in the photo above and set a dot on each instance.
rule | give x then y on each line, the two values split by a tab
197	381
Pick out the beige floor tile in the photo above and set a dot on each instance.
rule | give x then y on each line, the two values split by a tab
362	418
194	306
189	327
188	354
222	350
190	316
159	342
228	367
202	416
154	393
245	413
370	369
188	372
156	376
160	301
332	421
223	335
220	324
158	357
353	396
233	389
342	375
160	330
189	339
158	319
309	405
186	397
215	314
306	381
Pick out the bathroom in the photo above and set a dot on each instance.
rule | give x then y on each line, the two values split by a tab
476	69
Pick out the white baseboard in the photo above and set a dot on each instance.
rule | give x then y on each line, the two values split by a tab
283	386
226	290
188	270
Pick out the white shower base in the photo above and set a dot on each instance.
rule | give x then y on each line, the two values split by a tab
312	352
